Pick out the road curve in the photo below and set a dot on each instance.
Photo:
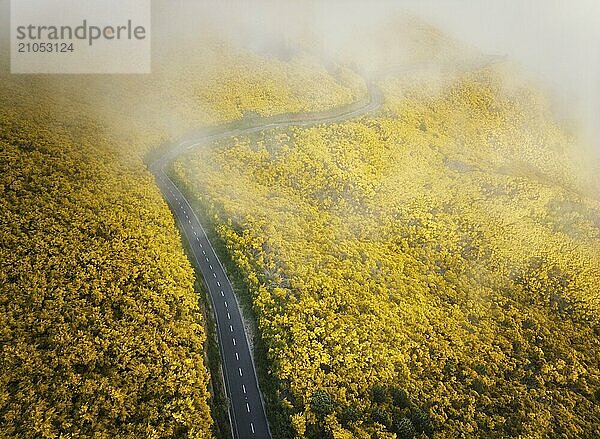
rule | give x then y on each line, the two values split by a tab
246	407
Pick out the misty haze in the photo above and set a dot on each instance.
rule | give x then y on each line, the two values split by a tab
318	220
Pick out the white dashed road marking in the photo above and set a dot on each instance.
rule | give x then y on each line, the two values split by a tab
240	371
244	388
248	407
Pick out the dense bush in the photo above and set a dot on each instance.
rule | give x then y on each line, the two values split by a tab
420	248
101	329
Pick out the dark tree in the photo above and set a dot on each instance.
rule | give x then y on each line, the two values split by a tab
321	403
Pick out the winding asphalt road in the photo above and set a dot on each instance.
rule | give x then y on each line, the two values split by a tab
246	408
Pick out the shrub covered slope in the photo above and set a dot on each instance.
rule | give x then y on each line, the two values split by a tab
430	269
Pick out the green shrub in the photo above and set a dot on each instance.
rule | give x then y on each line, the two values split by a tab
321	403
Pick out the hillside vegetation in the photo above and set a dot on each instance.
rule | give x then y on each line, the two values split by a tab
430	269
101	329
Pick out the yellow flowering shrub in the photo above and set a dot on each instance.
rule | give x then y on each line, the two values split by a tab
431	268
